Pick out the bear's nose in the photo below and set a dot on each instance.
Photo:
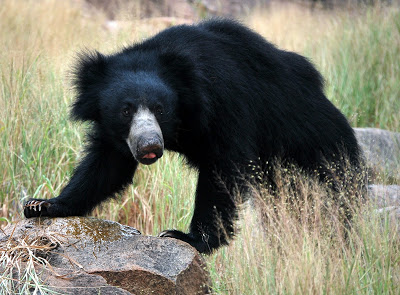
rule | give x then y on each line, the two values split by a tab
149	150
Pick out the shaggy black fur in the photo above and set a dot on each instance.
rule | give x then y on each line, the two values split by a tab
223	96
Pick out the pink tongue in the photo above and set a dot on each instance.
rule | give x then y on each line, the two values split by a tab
149	156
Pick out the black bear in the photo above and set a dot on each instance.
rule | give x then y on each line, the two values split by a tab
215	92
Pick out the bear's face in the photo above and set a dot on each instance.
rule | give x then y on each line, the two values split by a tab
133	109
139	108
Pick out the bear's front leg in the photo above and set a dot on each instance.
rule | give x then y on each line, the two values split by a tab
215	212
103	172
40	207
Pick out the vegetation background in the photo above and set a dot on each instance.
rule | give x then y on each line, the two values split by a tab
357	49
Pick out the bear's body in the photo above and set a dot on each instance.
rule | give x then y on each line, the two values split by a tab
215	92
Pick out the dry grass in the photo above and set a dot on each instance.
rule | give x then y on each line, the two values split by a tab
20	259
355	49
293	257
292	27
298	244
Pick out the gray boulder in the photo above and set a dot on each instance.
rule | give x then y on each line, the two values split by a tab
381	149
387	200
96	256
384	196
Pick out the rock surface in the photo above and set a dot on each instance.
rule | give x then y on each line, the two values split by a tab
381	149
386	198
384	195
102	257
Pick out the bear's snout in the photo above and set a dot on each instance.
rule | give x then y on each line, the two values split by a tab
145	138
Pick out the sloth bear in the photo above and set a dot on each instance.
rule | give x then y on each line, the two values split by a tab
218	94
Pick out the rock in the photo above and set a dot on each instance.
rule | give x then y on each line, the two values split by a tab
384	195
381	149
228	8
387	200
96	256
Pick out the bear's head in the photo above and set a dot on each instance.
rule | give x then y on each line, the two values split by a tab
131	105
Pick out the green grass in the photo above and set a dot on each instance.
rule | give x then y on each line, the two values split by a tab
357	51
363	80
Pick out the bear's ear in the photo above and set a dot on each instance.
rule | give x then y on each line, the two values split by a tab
87	79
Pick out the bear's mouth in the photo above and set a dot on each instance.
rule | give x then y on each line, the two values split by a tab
148	158
146	161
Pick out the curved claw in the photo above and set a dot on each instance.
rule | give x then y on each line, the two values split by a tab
197	242
200	242
164	234
36	208
173	234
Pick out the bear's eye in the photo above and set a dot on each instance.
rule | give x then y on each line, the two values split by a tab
126	112
159	110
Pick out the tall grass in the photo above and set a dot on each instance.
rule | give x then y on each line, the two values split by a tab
357	52
290	258
364	78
